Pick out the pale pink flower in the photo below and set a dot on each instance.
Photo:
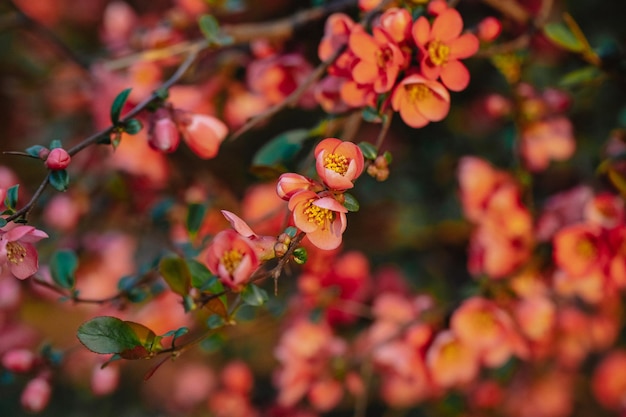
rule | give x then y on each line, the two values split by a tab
233	258
17	253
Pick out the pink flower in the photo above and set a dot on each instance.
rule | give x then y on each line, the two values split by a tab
338	163
322	218
204	134
58	159
264	245
164	135
17	254
420	101
232	258
290	183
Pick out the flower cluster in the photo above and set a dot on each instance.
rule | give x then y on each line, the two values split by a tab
384	63
317	208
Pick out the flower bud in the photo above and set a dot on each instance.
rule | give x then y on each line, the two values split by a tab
164	136
104	380
36	395
43	153
18	360
489	29
58	159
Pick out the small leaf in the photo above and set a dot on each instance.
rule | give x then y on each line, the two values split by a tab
254	296
215	321
371	115
3	222
34	150
118	104
209	27
132	126
350	202
162	93
388	157
10	201
217	306
56	144
560	34
195	215
63	266
59	179
279	151
107	334
200	274
175	272
581	76
146	336
369	150
213	342
291	231
300	255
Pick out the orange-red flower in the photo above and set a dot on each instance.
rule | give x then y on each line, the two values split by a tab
442	45
291	183
322	218
579	249
204	134
338	163
233	258
379	59
420	100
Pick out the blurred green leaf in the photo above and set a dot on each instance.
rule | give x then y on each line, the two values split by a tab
118	105
369	150
215	321
254	296
560	34
200	274
63	264
350	202
580	76
210	28
34	150
279	150
300	255
176	273
371	115
3	222
10	201
132	126
56	144
59	179
195	215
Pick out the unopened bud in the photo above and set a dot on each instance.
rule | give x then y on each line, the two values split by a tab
489	29
18	360
36	395
58	159
280	249
164	135
43	153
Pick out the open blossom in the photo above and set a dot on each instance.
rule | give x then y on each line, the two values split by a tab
264	245
232	258
204	134
442	45
420	101
17	253
322	218
338	163
379	59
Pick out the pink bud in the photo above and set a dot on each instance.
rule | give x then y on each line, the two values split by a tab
489	29
58	159
36	395
104	380
165	136
18	360
204	134
435	8
43	153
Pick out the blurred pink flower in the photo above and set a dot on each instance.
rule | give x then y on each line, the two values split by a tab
232	258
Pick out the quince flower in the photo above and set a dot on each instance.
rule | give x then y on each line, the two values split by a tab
203	134
442	45
17	253
232	258
321	217
291	183
420	101
338	163
264	245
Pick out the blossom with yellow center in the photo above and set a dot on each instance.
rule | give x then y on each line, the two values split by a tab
17	253
420	100
338	163
233	258
321	217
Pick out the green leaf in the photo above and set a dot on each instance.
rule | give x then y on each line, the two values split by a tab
59	179
10	201
34	150
175	272
162	93
107	334
195	215
132	126
118	105
350	202
388	157
213	342
581	76
63	266
300	255
560	34
210	28
371	115
146	337
291	231
281	149
369	150
215	321
56	144
3	222
200	274
254	296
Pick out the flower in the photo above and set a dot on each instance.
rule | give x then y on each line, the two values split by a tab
264	245
420	101
58	159
442	45
290	184
338	163
232	258
204	134
322	218
379	59
163	135
17	253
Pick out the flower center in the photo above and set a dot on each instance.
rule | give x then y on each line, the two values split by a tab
231	260
337	163
383	56
586	249
15	252
318	215
438	52
417	92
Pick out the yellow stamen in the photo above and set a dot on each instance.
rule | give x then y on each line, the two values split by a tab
438	52
231	259
16	253
586	249
417	92
318	215
337	163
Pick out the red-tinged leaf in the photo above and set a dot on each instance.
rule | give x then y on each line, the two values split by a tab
216	306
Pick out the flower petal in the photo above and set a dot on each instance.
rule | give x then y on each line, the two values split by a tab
421	31
455	76
27	265
447	26
464	46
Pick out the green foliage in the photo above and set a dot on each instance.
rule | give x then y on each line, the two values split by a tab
60	179
34	150
210	28
585	75
118	105
132	126
106	335
350	202
63	264
274	156
195	215
10	201
300	255
562	35
176	273
369	150
371	115
254	295
215	321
